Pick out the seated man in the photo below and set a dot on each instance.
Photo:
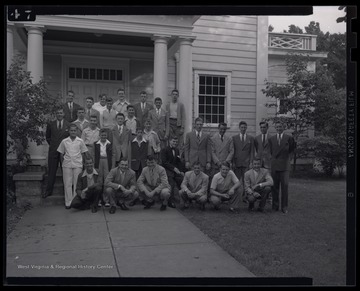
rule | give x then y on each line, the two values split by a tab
224	187
153	182
120	185
194	187
88	189
258	182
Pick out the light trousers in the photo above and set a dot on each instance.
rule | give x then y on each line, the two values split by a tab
70	176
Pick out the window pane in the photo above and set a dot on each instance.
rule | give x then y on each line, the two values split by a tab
207	119
99	74
202	89
112	75
221	109
71	73
201	109
215	90
222	81
221	100
201	99
215	109
106	74
208	109
208	90
119	75
78	73
208	100
215	119
222	91
215	100
92	74
208	80
221	118
215	81
202	80
85	73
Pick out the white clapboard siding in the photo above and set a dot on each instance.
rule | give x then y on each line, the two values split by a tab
224	59
228	52
228	25
224	31
231	19
225	38
246	47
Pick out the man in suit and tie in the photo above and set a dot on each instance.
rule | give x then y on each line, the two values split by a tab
198	147
153	183
261	144
120	186
258	184
170	157
88	188
160	122
121	139
56	131
142	108
70	107
243	154
194	187
222	148
281	148
90	111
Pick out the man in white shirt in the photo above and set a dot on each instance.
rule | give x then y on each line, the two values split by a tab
72	154
131	121
121	104
100	107
81	122
89	110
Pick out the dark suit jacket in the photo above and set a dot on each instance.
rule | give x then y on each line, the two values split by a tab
138	155
263	151
169	162
280	155
54	136
109	155
142	116
82	182
243	151
67	113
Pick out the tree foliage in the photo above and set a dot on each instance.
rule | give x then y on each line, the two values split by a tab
294	29
29	106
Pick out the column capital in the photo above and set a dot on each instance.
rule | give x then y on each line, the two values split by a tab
186	40
161	38
31	28
10	27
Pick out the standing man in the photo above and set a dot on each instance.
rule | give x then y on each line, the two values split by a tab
89	110
224	187
243	154
121	139
100	107
262	146
194	187
176	112
258	184
142	108
131	121
120	186
72	154
70	107
198	147
56	131
121	104
139	152
281	147
90	135
81	122
109	118
153	182
160	122
222	148
170	157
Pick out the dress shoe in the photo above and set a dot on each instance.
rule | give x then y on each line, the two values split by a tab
216	208
107	204
163	207
284	211
94	209
46	194
232	210
147	204
112	210
202	207
123	206
67	207
133	203
260	209
171	204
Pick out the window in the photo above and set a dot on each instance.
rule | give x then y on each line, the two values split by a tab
95	74
212	97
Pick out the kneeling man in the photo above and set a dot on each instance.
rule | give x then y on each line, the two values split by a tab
258	182
225	187
120	186
194	187
153	182
88	189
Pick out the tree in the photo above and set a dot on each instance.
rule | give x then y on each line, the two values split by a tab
270	28
29	106
343	18
294	29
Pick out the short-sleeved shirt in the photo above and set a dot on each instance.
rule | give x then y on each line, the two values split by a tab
89	136
223	185
72	151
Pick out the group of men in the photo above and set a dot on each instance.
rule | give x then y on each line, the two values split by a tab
114	153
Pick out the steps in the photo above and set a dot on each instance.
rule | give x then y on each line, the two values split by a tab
57	197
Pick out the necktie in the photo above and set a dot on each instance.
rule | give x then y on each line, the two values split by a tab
242	138
198	136
263	139
173	151
152	177
158	112
279	139
222	138
120	130
89	113
59	125
71	111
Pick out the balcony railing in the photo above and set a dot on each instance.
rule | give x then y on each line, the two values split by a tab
292	41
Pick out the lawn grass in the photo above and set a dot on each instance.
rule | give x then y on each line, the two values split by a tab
309	241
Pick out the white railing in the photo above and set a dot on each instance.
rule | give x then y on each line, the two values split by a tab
292	41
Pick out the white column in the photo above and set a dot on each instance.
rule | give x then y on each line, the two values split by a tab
35	65
185	80
9	44
177	70
160	67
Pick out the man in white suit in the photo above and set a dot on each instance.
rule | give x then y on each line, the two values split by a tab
258	182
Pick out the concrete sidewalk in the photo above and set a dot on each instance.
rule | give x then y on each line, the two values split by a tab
55	242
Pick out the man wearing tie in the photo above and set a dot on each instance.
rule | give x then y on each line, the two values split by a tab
160	122
281	147
121	139
70	107
198	147
261	145
243	154
222	148
153	183
56	131
89	111
142	108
